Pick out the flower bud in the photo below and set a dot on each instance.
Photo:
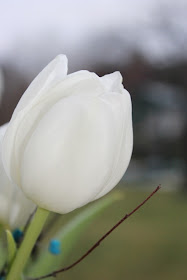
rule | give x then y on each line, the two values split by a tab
15	208
70	138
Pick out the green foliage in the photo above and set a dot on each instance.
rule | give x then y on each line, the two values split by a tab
69	235
149	245
11	245
2	248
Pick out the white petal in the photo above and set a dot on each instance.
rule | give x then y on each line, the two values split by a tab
124	152
3	129
48	78
79	83
15	208
5	193
113	82
23	125
71	153
20	209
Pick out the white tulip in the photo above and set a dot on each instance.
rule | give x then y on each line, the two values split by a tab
1	85
70	138
15	208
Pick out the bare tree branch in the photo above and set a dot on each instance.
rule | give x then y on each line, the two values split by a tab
54	273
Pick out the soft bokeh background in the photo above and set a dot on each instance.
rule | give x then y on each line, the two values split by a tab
146	41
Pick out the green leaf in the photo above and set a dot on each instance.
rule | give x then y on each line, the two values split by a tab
11	247
2	248
69	235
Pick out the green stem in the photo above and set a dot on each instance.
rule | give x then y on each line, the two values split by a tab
28	243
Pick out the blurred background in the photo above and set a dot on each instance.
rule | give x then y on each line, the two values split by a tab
146	41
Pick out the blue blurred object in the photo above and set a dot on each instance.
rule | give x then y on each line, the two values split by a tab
54	247
17	234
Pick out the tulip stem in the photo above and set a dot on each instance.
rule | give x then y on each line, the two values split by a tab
28	243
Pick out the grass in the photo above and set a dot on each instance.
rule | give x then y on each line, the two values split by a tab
152	244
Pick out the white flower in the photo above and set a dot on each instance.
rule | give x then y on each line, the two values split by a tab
1	85
14	207
69	141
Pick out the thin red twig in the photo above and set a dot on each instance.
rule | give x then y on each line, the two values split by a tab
54	273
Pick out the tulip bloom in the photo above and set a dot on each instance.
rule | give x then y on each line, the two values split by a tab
70	138
15	208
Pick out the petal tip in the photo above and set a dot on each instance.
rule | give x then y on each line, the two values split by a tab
62	59
113	81
118	75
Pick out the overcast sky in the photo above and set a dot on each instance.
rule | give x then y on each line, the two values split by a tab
37	30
